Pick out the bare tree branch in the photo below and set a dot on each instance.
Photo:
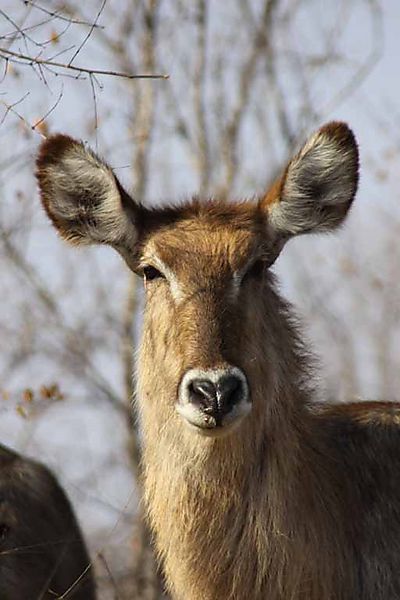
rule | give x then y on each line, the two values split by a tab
199	78
58	15
27	60
89	33
247	74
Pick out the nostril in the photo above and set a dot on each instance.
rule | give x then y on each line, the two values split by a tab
203	387
229	385
230	391
203	392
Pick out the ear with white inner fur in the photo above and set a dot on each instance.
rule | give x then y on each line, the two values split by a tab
318	185
83	197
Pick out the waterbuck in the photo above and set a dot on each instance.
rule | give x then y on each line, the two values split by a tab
253	490
42	552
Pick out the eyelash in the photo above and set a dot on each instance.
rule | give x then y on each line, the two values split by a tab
150	273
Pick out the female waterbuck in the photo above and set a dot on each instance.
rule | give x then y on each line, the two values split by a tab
42	552
253	491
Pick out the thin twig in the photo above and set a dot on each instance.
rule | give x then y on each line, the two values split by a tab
57	102
36	125
89	33
94	107
57	15
366	67
23	35
11	108
103	560
199	100
247	75
31	60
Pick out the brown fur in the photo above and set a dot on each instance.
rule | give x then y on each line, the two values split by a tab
224	515
42	552
300	502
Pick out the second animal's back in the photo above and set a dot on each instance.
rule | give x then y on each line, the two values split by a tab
42	552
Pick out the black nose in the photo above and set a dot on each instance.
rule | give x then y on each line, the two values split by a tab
216	398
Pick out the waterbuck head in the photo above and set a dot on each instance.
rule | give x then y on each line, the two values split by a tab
212	335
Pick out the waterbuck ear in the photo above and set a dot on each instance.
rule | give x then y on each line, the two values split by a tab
318	185
83	197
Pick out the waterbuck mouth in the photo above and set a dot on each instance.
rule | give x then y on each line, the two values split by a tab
213	402
208	426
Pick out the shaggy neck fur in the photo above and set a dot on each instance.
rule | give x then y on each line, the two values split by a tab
255	514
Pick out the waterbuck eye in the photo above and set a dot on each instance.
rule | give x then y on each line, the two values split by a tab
150	273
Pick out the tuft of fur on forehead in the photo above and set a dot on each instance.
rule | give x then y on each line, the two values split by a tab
245	214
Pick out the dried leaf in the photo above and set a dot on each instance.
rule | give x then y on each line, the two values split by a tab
54	37
42	127
28	395
21	411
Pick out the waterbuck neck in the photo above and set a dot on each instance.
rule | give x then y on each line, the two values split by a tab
226	511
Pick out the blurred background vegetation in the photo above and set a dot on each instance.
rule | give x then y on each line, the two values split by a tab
247	81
